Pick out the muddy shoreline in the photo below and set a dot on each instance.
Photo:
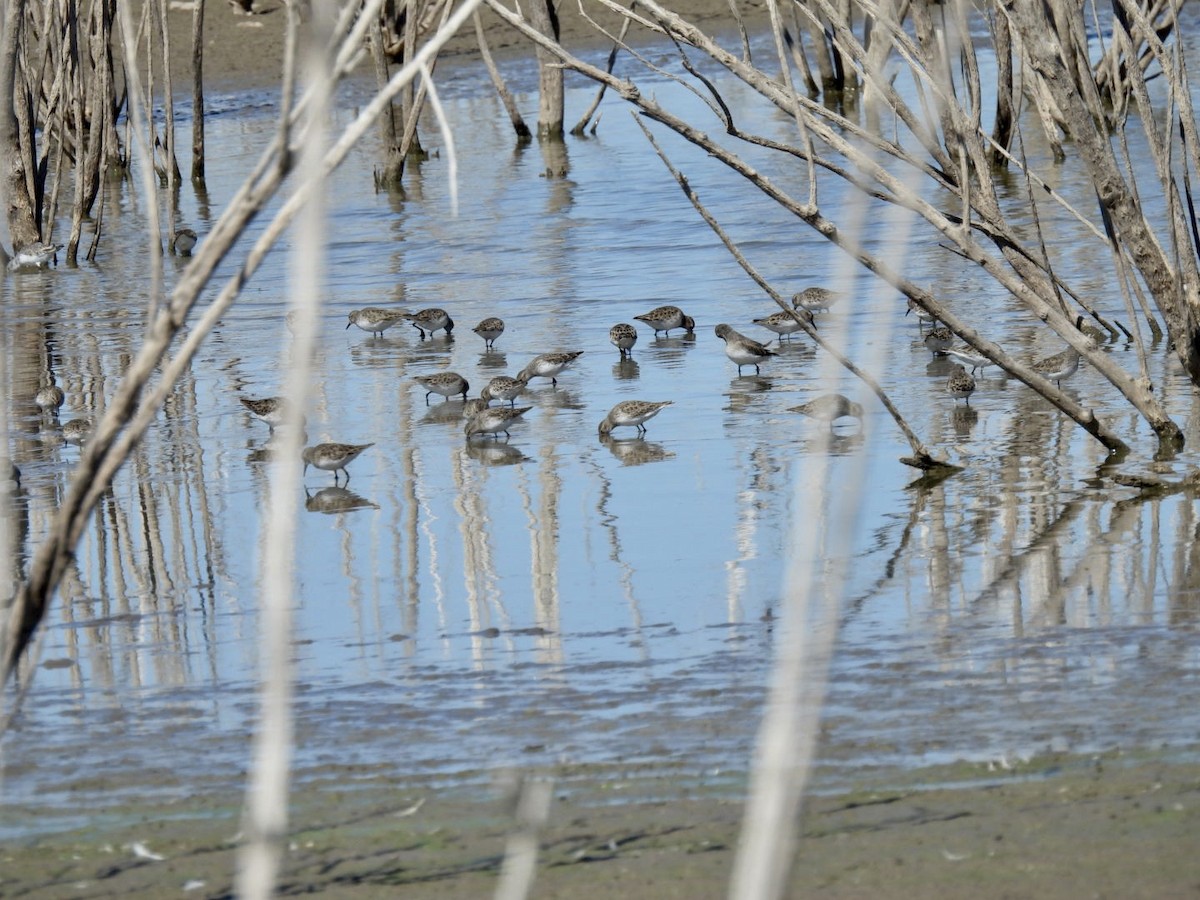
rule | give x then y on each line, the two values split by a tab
1056	827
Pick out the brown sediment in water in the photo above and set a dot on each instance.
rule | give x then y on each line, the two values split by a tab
1056	827
246	51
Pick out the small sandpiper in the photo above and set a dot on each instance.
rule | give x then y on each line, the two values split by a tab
741	349
665	318
815	299
272	410
632	412
939	340
623	336
829	408
77	431
448	384
184	242
489	329
1059	366
50	397
504	388
473	406
376	320
332	457
549	365
960	384
784	323
968	357
923	317
34	256
431	320
494	420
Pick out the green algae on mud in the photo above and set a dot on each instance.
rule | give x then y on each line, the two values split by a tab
1057	826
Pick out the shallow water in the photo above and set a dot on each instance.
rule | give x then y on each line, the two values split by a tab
553	599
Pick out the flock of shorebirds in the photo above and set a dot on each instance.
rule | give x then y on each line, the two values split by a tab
483	420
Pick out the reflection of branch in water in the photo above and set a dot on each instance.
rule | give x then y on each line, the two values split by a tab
608	521
543	538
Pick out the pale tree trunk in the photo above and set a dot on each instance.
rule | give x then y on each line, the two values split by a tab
20	207
544	17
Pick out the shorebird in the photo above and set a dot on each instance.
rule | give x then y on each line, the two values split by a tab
829	408
741	349
448	384
50	397
376	320
815	299
923	317
34	256
961	384
784	322
1059	366
968	357
548	365
939	340
504	388
665	318
489	329
633	413
184	241
494	420
272	410
431	320
332	457
623	337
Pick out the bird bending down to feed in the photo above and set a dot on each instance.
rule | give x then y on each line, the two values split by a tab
376	320
634	413
494	420
961	384
623	337
548	365
431	320
489	329
829	408
666	318
332	457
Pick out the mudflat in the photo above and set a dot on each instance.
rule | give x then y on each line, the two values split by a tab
1056	827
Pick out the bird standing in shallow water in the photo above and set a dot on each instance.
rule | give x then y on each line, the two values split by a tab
448	384
939	340
815	299
272	410
741	349
784	322
961	384
494	420
503	388
375	320
665	318
633	413
431	320
1059	366
332	457
623	337
548	365
489	329
829	408
972	360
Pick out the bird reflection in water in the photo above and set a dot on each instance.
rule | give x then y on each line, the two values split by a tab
333	500
493	453
635	451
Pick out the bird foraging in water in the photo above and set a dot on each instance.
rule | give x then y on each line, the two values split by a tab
34	256
741	349
489	329
548	365
272	410
815	299
665	318
961	384
972	360
448	384
633	413
184	241
784	322
504	388
332	457
431	320
623	337
829	408
375	319
494	420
